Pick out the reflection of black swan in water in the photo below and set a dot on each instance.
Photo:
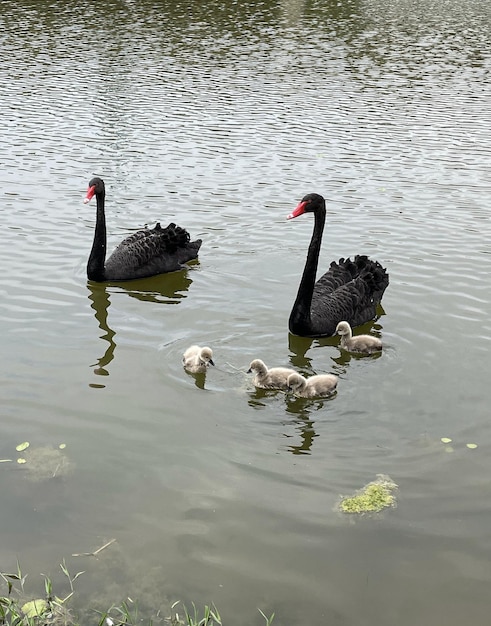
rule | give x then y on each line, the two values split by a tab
145	253
349	290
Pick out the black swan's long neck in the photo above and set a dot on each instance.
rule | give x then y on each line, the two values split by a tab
97	257
300	314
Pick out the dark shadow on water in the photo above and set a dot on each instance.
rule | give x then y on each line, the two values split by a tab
101	303
299	346
257	396
344	357
299	410
164	289
199	379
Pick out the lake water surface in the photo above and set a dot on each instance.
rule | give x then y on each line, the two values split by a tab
221	116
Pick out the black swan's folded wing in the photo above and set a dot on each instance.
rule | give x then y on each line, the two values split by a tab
151	251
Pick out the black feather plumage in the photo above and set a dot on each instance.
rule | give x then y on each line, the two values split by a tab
350	290
145	253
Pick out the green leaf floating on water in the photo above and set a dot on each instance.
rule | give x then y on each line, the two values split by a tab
22	446
62	446
446	440
472	446
35	608
5	460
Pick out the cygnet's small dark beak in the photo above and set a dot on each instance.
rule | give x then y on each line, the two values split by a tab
249	371
211	362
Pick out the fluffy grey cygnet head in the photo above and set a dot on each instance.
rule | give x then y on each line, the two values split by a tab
296	381
206	356
366	344
343	329
257	366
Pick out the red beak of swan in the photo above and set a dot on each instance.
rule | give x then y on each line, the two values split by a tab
300	210
90	194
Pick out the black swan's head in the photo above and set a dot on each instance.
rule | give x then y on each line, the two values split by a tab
308	204
96	187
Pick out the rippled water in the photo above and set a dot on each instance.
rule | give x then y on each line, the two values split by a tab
220	117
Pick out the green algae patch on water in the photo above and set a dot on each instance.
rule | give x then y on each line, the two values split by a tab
373	498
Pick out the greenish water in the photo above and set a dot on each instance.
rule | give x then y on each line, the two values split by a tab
220	117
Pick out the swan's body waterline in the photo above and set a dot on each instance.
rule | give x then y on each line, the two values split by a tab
273	378
314	386
365	344
143	254
350	290
197	359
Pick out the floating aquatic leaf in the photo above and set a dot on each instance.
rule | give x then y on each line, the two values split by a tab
21	461
446	440
22	446
472	446
35	608
62	446
5	460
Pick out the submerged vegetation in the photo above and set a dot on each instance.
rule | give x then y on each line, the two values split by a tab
43	462
17	610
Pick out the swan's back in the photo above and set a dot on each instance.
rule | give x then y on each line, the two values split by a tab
191	354
317	385
151	251
364	344
350	290
322	384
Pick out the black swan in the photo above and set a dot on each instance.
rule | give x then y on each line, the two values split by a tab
349	290
366	344
145	253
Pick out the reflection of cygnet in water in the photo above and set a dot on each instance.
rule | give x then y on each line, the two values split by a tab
318	385
361	343
197	359
274	378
